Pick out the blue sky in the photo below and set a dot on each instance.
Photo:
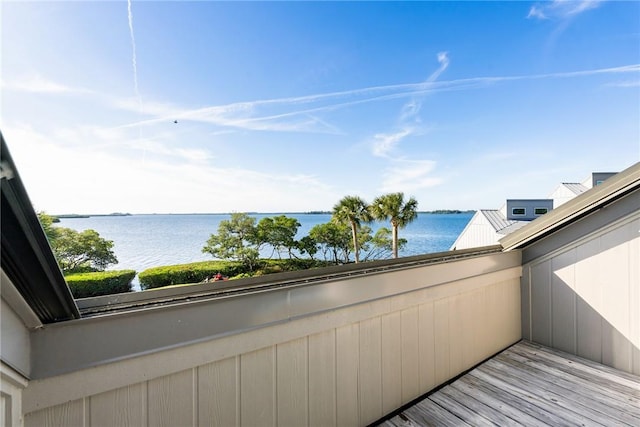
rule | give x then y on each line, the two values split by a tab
289	106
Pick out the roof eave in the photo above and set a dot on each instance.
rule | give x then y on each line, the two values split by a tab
26	256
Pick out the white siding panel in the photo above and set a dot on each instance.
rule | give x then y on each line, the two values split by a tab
347	356
125	406
218	393
70	414
322	379
171	400
258	387
441	340
426	343
391	362
293	386
410	336
593	302
370	367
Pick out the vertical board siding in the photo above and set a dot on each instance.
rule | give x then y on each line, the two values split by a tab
171	400
426	347
218	394
69	414
410	337
322	379
124	407
258	382
585	297
391	362
370	367
349	375
441	340
292	383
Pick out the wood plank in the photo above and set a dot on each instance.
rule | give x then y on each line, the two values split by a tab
579	363
476	406
428	413
590	385
66	414
512	408
461	411
604	395
426	350
554	394
554	403
523	402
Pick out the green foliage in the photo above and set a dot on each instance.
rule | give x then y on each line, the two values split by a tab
333	241
353	211
393	208
198	272
84	285
82	250
235	240
47	225
77	252
279	232
380	245
194	272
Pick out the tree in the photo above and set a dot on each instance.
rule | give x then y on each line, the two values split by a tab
392	207
333	239
47	225
235	240
352	211
380	246
279	232
84	250
307	245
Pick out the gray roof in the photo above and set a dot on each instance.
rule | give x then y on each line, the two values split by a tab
499	223
575	187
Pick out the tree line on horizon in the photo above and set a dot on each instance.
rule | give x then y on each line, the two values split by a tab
242	237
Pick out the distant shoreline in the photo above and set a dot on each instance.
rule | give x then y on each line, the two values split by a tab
73	216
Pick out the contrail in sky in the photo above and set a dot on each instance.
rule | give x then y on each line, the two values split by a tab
133	59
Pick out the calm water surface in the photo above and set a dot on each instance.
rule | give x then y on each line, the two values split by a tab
144	241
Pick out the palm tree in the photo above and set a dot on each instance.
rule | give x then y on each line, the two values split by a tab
392	207
352	210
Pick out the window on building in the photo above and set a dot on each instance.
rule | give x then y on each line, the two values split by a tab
518	211
600	181
540	211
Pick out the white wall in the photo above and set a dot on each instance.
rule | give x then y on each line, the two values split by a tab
348	366
584	297
479	232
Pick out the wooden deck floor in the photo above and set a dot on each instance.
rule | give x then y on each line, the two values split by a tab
534	386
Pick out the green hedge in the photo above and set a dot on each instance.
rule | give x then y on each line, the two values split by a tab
85	285
197	272
194	272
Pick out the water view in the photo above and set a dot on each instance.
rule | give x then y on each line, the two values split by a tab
144	241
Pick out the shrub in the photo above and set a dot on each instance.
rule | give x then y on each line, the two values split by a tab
194	272
84	285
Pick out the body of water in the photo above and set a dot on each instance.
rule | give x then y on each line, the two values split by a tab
144	241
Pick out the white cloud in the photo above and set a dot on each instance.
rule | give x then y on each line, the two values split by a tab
561	9
385	143
39	84
409	175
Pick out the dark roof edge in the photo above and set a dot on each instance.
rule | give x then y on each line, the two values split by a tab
595	198
26	256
